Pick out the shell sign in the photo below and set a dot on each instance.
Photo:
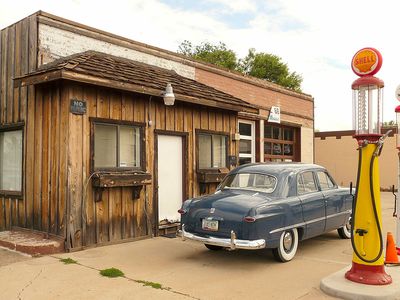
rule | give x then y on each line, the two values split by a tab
366	61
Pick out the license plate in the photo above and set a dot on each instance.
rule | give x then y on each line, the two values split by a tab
210	225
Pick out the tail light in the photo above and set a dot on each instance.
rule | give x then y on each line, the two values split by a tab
182	211
249	219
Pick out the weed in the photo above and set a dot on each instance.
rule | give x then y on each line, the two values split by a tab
68	261
112	272
154	285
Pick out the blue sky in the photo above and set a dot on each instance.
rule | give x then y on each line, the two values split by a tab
317	39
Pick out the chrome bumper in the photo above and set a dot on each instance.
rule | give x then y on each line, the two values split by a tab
231	243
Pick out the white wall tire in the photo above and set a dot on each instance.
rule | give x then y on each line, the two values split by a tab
288	243
345	231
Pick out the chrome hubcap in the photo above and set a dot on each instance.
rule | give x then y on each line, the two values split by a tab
348	225
287	241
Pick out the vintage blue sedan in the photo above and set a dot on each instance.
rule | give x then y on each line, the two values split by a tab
268	205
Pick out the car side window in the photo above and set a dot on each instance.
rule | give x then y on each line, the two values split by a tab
306	183
325	182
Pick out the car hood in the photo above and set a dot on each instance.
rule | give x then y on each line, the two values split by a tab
234	201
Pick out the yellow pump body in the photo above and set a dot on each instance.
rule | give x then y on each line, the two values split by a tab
368	261
368	244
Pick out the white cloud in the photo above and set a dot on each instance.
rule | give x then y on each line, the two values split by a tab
316	38
237	5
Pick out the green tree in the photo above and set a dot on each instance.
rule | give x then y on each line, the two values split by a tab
270	67
214	54
261	65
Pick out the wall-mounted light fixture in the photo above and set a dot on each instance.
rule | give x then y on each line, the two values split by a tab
168	95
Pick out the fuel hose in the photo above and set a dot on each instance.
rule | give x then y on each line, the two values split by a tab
372	193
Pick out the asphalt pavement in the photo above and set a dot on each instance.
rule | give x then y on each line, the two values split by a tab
167	268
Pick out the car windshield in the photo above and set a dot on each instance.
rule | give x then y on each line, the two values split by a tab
250	181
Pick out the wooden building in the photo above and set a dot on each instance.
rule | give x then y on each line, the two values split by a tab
96	141
90	152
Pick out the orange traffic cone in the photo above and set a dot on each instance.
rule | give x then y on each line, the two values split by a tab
391	252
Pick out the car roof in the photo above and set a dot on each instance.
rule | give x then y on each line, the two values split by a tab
275	167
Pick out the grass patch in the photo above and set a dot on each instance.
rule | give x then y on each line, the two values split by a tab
68	261
154	285
112	272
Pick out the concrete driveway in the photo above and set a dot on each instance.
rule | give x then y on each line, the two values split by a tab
185	270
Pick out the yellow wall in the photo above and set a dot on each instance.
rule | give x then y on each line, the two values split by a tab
340	157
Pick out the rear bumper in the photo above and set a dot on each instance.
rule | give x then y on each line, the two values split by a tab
232	243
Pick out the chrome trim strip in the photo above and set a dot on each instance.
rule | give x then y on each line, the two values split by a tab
232	243
309	222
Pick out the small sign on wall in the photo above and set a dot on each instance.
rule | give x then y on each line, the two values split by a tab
77	107
275	115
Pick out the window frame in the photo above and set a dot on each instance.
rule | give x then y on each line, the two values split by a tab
16	127
295	143
335	186
315	180
118	124
251	138
211	133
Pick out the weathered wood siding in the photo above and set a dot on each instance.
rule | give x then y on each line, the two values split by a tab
118	216
57	196
18	56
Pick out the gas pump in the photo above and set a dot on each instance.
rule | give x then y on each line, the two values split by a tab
366	232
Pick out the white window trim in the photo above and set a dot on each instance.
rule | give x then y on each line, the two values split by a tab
251	138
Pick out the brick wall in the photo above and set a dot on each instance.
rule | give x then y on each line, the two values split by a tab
294	106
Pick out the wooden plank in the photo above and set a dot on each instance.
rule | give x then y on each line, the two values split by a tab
30	158
89	233
127	107
10	74
55	119
139	111
23	115
102	218
204	119
188	127
115	105
179	123
45	168
170	118
8	213
17	72
226	124
159	116
233	129
21	212
127	213
37	170
3	215
219	122
211	119
24	66
63	154
14	212
103	104
196	125
115	213
75	169
4	73
33	42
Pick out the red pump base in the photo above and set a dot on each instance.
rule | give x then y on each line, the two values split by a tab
373	275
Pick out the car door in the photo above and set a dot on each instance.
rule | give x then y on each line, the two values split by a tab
334	202
312	202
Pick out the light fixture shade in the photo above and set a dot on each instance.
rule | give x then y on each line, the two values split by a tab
169	97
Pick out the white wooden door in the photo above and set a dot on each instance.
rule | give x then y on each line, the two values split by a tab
169	177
